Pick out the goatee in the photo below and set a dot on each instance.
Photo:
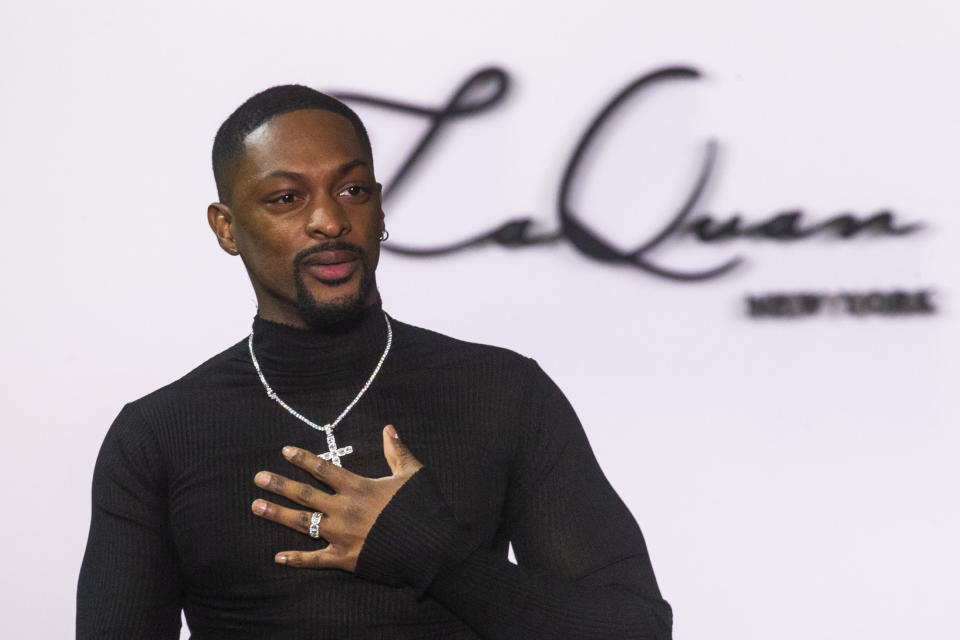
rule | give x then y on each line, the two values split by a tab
340	311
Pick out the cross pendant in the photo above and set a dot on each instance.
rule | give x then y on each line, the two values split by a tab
334	453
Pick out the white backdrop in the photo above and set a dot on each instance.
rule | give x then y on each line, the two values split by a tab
794	478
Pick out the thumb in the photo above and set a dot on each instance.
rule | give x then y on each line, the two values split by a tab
398	456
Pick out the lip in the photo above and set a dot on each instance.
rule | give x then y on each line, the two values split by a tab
331	267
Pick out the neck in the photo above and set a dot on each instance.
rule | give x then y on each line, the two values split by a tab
349	347
316	318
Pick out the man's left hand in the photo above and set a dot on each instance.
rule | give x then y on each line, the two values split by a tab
348	514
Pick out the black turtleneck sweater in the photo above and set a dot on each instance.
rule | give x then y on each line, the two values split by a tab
505	457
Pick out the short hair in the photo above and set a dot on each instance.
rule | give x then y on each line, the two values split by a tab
228	143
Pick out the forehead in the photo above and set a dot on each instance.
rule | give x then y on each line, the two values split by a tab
299	140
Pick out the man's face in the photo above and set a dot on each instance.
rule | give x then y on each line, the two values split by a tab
305	216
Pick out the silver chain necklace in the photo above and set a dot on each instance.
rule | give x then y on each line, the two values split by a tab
333	454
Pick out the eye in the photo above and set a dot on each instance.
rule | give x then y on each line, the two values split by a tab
355	191
283	198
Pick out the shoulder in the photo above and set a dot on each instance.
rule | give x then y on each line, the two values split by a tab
201	384
487	369
166	420
431	347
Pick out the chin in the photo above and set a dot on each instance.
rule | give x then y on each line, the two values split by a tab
336	307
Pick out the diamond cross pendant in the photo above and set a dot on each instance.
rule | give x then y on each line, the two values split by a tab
334	453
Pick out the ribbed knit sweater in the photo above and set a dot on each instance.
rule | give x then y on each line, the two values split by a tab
505	461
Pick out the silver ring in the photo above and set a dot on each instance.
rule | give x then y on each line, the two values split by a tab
315	524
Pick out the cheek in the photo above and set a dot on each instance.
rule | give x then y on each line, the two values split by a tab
373	258
269	255
373	249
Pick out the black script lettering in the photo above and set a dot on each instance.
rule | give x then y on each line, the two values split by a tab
480	92
589	242
788	225
468	99
881	223
486	88
782	226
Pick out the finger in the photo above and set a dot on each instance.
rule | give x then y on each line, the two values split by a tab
325	471
326	558
398	456
296	519
297	491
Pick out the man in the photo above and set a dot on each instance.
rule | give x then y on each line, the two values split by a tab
209	495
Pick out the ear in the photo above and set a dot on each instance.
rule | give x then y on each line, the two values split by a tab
220	218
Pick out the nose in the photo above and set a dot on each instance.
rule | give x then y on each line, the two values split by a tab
328	219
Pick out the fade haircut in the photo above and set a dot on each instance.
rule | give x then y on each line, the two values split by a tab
228	144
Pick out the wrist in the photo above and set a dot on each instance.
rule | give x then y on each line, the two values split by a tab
414	537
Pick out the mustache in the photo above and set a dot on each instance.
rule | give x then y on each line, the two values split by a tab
330	245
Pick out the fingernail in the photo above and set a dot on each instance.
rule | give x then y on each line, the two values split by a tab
282	559
259	506
289	451
262	479
393	432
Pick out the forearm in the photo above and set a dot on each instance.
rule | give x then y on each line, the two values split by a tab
124	591
417	542
129	585
500	600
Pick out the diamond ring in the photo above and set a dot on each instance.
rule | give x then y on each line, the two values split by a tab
315	524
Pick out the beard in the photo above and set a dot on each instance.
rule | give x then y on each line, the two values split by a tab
338	311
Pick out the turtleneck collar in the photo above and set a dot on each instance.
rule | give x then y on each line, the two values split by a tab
353	347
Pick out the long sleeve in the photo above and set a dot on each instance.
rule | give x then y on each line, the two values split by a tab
583	570
129	584
507	460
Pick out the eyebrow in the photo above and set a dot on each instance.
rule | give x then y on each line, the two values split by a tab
339	172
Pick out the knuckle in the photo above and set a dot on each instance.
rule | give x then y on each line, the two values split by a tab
276	483
305	493
303	519
321	468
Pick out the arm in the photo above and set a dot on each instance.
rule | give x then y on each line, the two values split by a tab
583	570
583	573
129	585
